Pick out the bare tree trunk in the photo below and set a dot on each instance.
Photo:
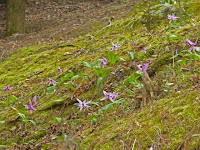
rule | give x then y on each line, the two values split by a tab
15	22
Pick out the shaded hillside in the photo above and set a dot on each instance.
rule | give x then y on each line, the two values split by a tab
49	22
169	120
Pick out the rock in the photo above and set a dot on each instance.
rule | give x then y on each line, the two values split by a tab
159	11
162	10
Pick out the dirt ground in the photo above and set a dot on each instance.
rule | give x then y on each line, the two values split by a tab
57	21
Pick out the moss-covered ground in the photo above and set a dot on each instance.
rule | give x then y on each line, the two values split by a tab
170	122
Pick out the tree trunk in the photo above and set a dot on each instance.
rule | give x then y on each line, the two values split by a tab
15	22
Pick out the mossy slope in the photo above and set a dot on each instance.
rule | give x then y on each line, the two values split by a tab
166	124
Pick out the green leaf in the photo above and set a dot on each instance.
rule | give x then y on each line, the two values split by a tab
59	139
3	146
166	48
196	135
132	54
13	108
2	102
92	119
111	57
195	56
70	86
173	38
75	77
99	81
182	62
174	56
23	117
133	77
94	103
141	58
59	100
67	76
57	119
197	49
88	65
33	122
51	89
78	75
45	146
2	122
98	61
12	97
98	70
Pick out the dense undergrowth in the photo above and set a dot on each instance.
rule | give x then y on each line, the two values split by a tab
170	122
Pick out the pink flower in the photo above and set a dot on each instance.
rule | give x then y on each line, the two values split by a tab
51	81
83	104
144	49
114	46
103	62
193	20
187	42
31	106
133	43
191	44
110	96
7	88
59	70
143	68
171	17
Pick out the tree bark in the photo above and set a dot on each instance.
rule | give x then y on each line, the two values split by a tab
3	1
15	22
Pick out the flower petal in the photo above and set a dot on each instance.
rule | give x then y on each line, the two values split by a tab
27	106
79	101
34	100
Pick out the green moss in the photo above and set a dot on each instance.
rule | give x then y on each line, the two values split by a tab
173	122
33	137
160	62
171	118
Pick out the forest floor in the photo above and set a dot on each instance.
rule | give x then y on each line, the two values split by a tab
155	109
49	22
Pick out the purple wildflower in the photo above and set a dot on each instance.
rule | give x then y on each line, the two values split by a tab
31	106
133	43
193	46
113	96
83	104
144	49
193	20
171	17
7	88
107	95
114	46
103	62
110	96
143	68
59	70
188	42
51	81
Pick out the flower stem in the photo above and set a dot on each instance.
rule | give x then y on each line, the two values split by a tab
179	3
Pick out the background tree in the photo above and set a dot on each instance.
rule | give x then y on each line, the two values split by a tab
2	1
15	22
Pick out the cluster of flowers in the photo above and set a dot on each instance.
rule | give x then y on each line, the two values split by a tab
109	96
191	44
